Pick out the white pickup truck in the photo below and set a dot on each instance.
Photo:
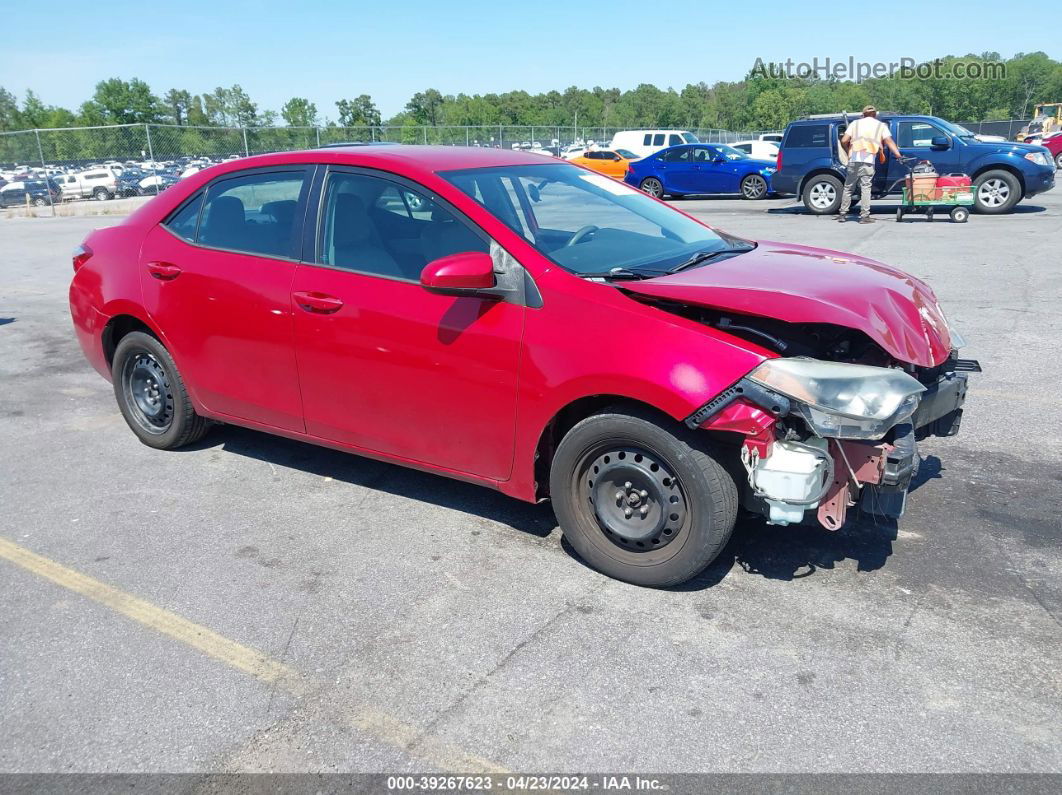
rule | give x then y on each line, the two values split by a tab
96	183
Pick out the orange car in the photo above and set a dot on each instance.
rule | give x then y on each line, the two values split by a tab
610	162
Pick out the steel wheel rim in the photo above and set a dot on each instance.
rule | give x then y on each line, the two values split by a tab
1058	160
993	193
148	393
653	187
634	497
823	194
753	187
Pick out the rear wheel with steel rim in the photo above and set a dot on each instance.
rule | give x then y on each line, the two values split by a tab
754	187
653	187
996	192
1058	160
151	394
640	499
822	194
40	201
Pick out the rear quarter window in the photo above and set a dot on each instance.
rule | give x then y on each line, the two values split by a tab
807	135
183	223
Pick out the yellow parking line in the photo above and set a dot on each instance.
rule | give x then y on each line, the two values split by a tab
243	658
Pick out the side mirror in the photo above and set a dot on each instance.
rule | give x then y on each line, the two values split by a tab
940	142
616	158
459	274
718	159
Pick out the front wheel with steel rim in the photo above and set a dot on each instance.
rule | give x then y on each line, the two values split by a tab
653	187
822	194
151	394
996	192
639	498
753	187
1058	160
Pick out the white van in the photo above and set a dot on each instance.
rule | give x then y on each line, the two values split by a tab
644	142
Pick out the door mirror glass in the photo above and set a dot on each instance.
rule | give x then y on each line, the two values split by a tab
718	159
940	142
464	272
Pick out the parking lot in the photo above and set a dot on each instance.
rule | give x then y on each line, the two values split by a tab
259	604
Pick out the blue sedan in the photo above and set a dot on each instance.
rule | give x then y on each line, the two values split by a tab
701	168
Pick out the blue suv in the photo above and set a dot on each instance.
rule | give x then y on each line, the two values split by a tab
1003	173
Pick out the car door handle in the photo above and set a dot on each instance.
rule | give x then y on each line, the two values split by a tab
318	302
163	271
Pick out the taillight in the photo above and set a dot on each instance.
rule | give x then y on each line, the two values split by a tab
81	256
778	161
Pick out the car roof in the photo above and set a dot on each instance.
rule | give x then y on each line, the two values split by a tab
408	159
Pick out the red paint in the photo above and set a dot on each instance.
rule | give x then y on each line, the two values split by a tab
470	270
801	284
463	385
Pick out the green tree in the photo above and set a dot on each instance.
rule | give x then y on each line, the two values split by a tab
116	101
424	106
357	112
178	103
10	118
299	112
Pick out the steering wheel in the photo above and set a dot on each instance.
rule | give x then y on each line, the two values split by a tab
580	234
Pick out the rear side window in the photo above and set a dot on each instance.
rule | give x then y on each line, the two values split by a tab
648	140
658	139
253	213
183	222
807	135
677	155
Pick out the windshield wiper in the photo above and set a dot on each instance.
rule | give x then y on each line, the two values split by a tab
626	274
704	256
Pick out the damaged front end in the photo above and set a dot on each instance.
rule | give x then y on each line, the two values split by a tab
825	436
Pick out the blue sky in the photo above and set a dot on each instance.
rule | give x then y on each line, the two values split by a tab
325	50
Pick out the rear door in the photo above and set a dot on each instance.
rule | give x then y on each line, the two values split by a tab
216	278
708	175
386	365
675	169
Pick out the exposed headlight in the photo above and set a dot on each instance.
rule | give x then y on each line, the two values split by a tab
842	401
1039	158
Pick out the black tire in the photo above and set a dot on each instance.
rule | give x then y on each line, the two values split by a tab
817	194
162	416
899	214
753	187
959	215
1058	160
653	187
996	192
40	201
100	194
688	517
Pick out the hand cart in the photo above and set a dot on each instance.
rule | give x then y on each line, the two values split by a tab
958	199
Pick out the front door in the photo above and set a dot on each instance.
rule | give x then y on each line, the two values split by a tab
915	139
386	365
216	278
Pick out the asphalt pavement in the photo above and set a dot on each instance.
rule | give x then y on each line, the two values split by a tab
259	604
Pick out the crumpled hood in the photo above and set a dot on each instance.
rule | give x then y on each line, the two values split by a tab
802	284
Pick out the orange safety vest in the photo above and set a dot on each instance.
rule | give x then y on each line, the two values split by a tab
866	143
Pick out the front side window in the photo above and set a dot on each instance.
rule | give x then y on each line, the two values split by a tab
917	134
585	222
254	213
674	140
364	228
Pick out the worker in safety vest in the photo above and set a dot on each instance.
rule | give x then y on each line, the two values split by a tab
863	141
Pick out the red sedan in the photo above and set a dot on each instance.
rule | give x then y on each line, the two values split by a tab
527	325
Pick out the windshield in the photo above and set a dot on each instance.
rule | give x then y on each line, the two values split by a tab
585	222
954	129
690	138
627	154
